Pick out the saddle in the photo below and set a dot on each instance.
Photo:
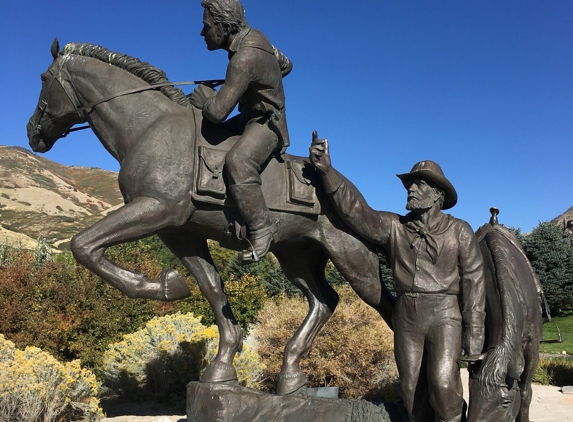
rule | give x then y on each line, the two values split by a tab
288	182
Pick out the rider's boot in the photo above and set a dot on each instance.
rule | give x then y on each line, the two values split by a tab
251	203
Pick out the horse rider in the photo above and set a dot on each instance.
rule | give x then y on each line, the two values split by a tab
254	81
438	272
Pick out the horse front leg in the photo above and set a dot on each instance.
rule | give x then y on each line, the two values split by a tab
140	218
306	271
194	253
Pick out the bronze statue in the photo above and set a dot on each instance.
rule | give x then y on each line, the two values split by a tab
253	80
171	162
438	276
500	378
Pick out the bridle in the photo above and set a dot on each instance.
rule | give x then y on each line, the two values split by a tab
43	104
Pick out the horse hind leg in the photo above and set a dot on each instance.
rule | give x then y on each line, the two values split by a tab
305	270
194	254
531	354
139	219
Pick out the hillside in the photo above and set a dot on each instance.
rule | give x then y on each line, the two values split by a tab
564	218
41	197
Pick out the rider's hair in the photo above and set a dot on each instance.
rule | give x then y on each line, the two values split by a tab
228	15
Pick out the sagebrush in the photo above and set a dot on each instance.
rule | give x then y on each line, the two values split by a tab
35	387
160	359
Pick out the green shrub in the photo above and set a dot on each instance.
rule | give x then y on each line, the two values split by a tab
51	302
160	359
35	387
554	371
66	310
353	351
245	294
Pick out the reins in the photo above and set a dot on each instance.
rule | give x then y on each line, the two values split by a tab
211	83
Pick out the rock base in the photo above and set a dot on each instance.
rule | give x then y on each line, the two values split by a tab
232	403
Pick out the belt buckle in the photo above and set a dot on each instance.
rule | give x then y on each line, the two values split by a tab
411	294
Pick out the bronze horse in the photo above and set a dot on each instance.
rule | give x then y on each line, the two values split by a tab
154	138
500	379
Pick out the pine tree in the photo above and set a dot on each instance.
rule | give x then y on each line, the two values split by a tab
550	252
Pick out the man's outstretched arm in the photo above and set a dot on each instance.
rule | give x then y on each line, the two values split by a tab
372	225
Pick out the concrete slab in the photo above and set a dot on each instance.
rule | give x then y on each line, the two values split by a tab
549	404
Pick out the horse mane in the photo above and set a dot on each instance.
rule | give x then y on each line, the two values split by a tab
142	70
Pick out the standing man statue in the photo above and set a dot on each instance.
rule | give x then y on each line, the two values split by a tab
438	276
254	81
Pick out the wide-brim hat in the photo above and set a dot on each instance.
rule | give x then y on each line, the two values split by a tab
431	170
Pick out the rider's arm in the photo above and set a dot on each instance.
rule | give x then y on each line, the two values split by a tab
237	80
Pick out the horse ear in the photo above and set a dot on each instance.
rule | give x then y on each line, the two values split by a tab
55	48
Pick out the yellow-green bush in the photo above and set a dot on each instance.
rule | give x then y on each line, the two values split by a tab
165	355
554	371
35	387
353	351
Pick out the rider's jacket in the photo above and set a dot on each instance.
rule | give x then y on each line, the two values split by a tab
254	80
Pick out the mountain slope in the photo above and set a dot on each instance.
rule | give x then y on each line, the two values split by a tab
564	218
39	197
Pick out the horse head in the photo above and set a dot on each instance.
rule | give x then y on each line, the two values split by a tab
56	110
494	395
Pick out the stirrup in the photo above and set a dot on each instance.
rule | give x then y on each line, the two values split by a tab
259	245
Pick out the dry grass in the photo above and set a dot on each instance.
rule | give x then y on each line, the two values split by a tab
354	350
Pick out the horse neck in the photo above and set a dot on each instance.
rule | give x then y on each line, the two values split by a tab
117	122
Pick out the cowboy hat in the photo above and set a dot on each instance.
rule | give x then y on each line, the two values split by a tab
432	171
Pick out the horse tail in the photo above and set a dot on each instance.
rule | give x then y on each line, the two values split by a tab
506	358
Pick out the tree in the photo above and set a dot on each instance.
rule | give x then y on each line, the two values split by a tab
550	252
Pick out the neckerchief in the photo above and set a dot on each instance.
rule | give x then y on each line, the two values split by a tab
427	233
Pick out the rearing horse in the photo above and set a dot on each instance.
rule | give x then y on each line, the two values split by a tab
153	137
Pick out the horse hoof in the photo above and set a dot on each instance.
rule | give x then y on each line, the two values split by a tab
173	285
219	372
291	384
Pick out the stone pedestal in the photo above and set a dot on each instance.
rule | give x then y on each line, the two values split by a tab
233	403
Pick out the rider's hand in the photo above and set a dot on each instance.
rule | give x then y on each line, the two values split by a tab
200	96
319	155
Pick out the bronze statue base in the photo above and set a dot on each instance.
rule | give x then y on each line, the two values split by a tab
233	403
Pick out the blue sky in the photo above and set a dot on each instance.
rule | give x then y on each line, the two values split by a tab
485	88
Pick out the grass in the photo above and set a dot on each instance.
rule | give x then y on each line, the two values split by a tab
565	324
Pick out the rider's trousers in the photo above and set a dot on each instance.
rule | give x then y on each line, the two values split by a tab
245	160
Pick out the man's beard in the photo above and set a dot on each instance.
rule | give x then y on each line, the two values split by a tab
415	204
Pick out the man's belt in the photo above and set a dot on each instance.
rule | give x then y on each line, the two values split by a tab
417	294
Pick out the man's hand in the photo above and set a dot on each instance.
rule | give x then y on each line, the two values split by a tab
473	336
200	96
319	155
